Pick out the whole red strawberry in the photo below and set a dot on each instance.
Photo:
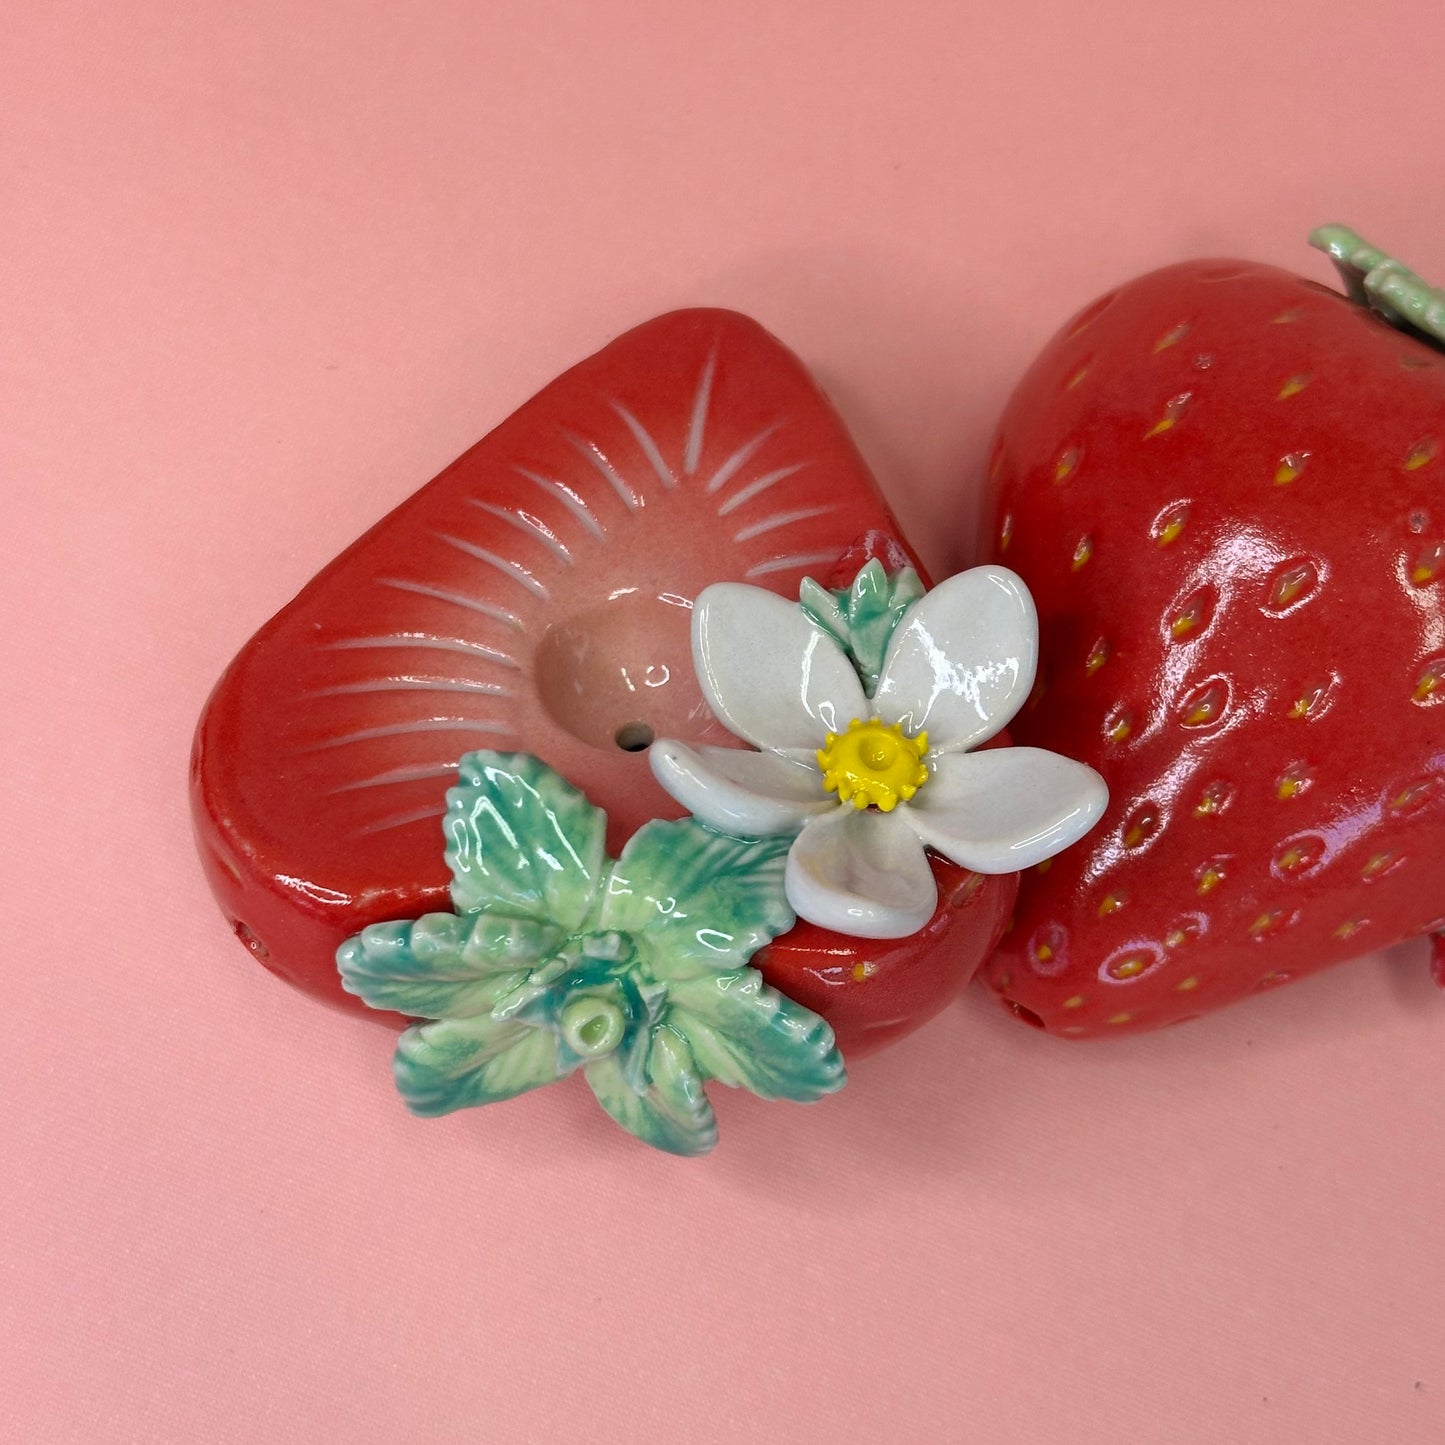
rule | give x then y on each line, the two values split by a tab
1225	487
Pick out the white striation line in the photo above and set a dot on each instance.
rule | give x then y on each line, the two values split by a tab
697	426
400	820
787	564
564	494
768	479
650	449
414	684
412	773
420	725
457	599
437	644
739	459
514	570
780	519
591	453
530	525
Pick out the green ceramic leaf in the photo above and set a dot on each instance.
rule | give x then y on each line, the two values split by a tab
824	606
748	1035
456	1063
694	899
522	841
862	618
672	1113
443	965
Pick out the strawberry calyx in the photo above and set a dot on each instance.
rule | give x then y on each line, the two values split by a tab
1387	286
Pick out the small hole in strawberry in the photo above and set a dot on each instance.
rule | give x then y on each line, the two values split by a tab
1024	1015
606	669
248	937
634	737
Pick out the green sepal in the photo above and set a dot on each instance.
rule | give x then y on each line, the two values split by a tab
522	841
746	1034
458	1063
862	618
672	1113
694	899
549	942
443	965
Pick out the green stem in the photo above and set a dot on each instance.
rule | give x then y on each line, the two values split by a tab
1385	285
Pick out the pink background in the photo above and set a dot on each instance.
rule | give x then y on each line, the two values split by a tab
264	269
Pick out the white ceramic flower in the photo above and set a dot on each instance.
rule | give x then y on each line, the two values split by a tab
867	783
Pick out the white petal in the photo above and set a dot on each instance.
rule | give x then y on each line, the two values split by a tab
962	660
862	873
740	792
1008	808
772	676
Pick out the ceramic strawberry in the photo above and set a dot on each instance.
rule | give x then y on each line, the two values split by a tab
1225	487
536	599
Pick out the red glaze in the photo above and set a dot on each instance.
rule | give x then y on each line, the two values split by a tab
874	991
1223	485
536	597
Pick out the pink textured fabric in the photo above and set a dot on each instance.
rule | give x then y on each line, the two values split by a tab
264	269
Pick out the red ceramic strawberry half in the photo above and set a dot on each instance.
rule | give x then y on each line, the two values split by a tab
1225	487
536	597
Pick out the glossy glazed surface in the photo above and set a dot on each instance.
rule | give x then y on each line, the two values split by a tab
1222	484
897	776
557	959
537	596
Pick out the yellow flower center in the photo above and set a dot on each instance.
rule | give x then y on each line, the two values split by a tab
874	763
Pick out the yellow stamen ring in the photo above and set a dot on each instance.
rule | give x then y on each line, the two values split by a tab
874	764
